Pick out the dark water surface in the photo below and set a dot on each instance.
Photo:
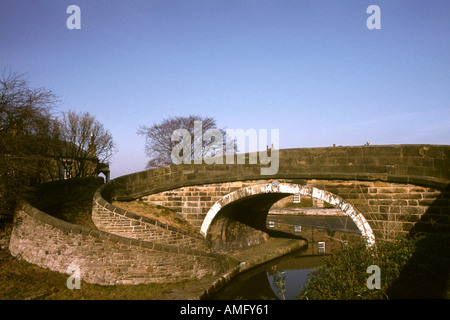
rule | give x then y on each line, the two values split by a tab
283	278
263	282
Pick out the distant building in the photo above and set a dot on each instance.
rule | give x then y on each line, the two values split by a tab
71	157
29	160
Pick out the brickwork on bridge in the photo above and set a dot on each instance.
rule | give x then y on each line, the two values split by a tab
426	165
390	208
394	208
193	203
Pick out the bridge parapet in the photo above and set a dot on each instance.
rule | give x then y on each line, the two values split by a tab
427	165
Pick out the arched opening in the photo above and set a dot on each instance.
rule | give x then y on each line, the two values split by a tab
239	217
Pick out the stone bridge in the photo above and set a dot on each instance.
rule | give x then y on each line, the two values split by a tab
386	190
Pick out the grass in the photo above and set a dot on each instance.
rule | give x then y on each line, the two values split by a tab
162	214
24	281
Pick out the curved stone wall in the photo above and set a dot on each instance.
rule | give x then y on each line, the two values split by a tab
102	257
124	223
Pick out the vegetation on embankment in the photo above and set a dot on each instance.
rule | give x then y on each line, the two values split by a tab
410	268
155	212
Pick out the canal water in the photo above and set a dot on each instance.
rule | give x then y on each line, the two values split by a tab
284	277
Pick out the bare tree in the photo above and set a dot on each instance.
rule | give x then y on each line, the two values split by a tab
159	144
26	136
85	143
34	143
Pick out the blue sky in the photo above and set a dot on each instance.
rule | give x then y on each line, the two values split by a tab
311	69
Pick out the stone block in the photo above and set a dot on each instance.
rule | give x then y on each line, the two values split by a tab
412	210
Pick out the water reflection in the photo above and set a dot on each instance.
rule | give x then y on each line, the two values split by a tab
284	277
287	284
286	281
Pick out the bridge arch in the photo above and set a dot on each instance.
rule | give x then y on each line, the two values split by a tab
408	183
288	189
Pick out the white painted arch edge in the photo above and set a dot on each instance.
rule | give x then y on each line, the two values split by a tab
337	201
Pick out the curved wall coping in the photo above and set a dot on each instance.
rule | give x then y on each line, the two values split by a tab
74	229
133	216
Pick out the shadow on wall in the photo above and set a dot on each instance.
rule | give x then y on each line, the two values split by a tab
427	273
68	200
242	223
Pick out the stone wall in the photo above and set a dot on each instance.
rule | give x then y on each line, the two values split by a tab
390	208
117	221
102	257
334	240
394	208
193	203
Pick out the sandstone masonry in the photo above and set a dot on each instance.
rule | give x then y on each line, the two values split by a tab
104	258
397	188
